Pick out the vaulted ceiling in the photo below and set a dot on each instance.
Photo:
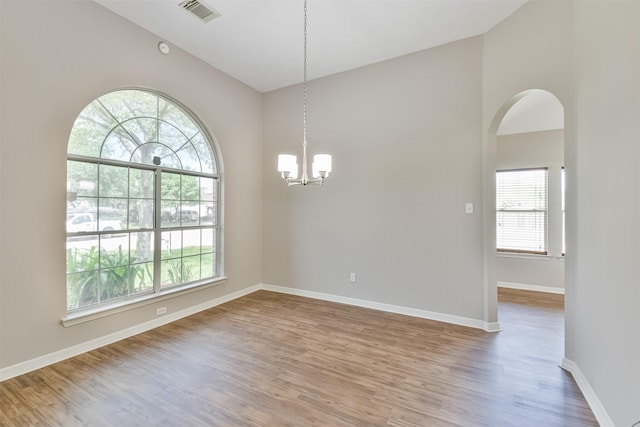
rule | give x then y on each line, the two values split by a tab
260	42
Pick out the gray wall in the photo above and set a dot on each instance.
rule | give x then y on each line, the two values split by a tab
588	55
405	136
413	140
605	317
56	58
533	150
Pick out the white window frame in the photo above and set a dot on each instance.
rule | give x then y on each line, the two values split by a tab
159	291
532	211
563	183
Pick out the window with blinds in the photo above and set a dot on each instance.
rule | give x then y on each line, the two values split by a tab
521	211
562	183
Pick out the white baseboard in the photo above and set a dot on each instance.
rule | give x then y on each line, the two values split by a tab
594	403
58	356
535	288
492	327
440	317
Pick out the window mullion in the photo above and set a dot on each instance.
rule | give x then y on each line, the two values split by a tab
218	242
157	240
98	201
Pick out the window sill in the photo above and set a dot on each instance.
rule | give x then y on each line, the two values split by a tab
559	258
518	255
130	304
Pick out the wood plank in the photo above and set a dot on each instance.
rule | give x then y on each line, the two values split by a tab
270	359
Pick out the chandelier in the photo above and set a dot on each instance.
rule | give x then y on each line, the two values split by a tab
288	163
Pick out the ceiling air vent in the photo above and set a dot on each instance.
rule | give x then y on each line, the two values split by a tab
196	7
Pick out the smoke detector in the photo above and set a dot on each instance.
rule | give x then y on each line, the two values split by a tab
201	11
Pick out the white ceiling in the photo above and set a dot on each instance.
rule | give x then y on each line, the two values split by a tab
260	42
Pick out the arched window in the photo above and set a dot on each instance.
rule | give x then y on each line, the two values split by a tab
142	200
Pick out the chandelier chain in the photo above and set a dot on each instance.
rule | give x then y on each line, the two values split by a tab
287	163
304	120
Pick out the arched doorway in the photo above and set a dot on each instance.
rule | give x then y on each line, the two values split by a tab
526	136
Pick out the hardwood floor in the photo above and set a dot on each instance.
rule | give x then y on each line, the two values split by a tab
270	359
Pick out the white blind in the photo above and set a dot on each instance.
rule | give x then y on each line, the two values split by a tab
562	189
521	210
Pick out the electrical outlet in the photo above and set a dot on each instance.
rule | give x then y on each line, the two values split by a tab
352	277
161	310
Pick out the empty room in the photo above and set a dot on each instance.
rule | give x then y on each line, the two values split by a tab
319	212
